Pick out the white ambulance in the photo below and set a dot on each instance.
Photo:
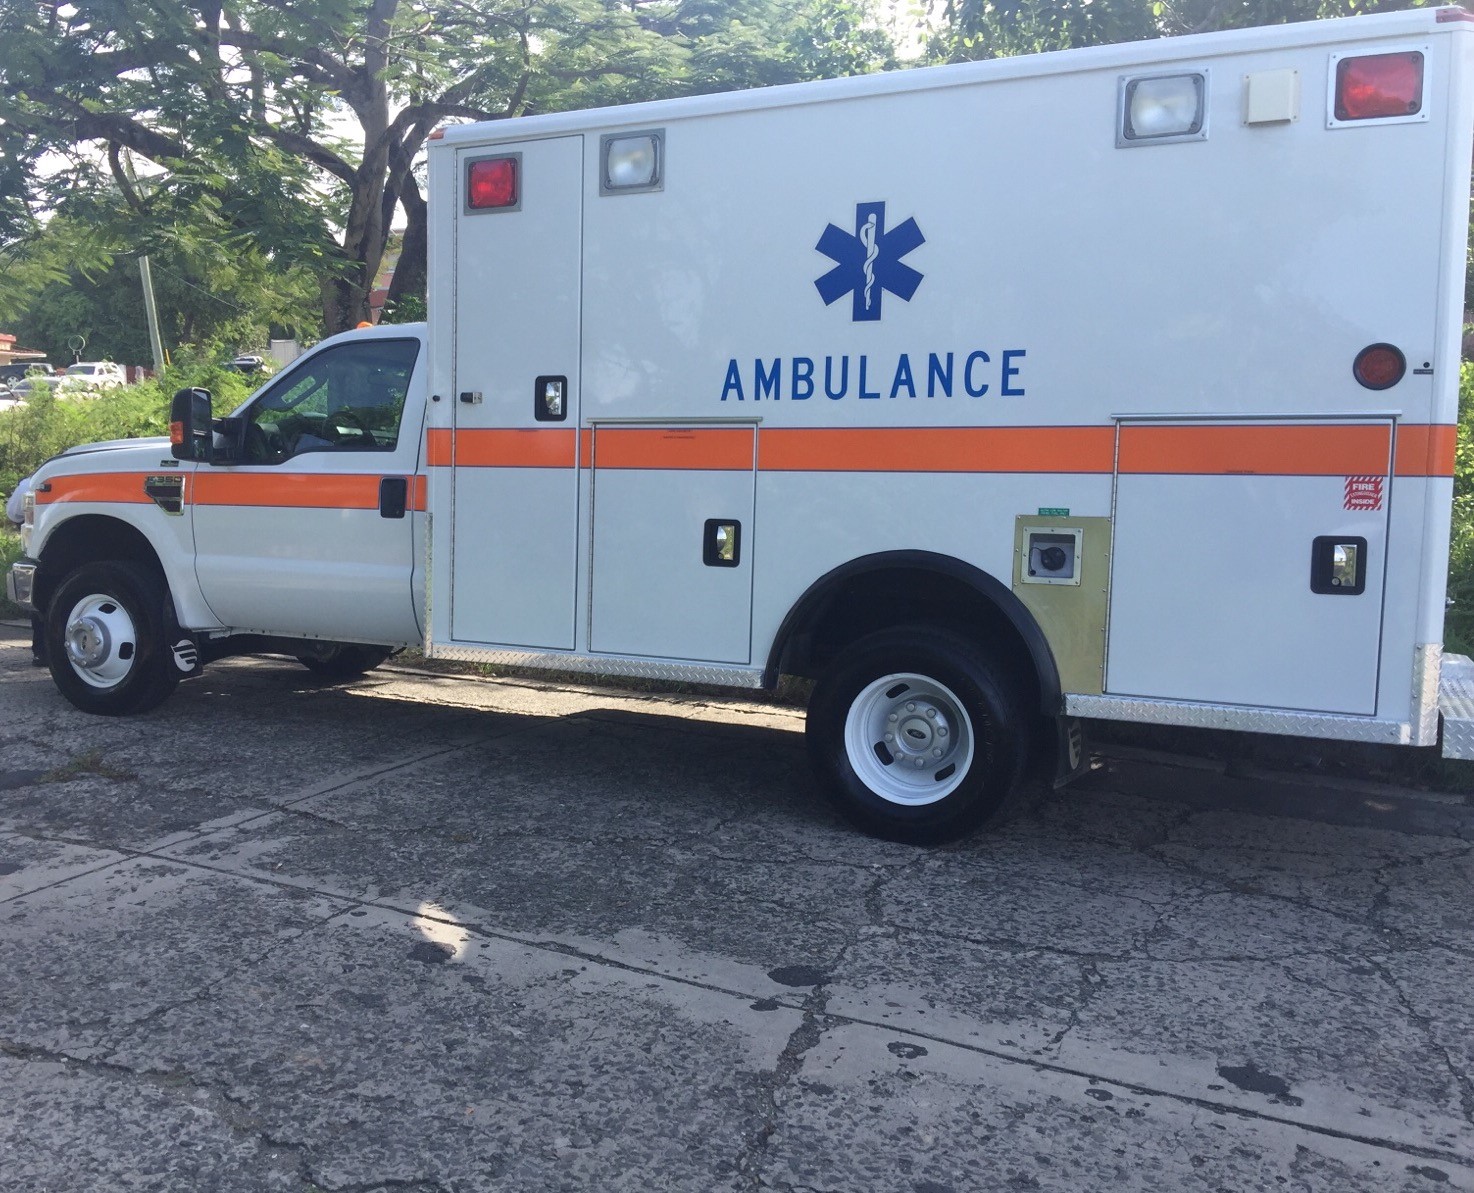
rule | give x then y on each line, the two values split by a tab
1115	383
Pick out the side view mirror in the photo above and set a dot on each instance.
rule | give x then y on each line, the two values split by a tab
191	425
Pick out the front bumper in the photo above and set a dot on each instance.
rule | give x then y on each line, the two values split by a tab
20	584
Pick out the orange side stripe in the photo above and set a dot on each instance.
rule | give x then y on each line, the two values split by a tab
1341	450
715	449
439	448
95	486
1346	449
287	489
1425	450
418	500
940	449
531	448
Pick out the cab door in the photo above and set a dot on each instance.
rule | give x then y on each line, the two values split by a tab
311	533
516	449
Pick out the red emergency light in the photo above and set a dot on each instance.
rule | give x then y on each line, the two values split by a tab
1379	366
491	182
1379	85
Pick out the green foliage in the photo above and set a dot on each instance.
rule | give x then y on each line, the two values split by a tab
412	308
79	275
1458	622
971	29
48	424
9	552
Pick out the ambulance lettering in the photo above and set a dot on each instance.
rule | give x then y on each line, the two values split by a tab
867	264
933	375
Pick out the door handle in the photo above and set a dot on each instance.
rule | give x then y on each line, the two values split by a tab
393	496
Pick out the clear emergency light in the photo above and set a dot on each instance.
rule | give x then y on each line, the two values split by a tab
1158	108
493	183
631	162
1379	86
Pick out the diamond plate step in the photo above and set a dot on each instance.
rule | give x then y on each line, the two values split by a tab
1456	704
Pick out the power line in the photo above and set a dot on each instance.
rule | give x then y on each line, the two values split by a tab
201	289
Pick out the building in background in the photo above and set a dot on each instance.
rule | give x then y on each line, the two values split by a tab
10	354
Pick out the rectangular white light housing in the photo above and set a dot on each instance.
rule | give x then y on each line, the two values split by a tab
632	162
1161	108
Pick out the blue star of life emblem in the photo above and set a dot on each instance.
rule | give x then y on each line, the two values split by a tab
869	262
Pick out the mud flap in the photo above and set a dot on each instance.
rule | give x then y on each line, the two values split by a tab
1071	758
185	654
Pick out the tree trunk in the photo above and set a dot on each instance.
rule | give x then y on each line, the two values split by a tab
410	274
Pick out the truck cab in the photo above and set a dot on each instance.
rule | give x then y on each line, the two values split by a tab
300	530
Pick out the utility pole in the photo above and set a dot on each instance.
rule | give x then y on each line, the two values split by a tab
152	312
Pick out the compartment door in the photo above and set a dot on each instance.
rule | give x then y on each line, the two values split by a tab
1248	563
673	535
515	455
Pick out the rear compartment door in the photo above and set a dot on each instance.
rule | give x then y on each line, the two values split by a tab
1248	562
672	540
516	397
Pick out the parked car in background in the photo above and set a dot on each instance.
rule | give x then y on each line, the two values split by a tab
247	363
92	376
21	369
26	386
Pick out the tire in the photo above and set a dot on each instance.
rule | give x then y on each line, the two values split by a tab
344	660
959	739
106	634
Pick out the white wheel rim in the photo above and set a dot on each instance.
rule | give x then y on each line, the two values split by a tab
909	739
101	641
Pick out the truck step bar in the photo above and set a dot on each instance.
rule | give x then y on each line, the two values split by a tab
1456	704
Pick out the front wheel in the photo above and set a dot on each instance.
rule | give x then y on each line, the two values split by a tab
105	630
917	736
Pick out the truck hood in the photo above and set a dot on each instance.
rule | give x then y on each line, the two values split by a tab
153	443
117	455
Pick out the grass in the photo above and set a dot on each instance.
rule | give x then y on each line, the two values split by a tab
90	763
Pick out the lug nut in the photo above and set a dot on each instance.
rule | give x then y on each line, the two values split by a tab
911	707
942	731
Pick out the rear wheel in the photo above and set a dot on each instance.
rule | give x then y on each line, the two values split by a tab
344	660
917	736
105	630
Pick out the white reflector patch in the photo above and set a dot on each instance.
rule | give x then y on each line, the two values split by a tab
1163	107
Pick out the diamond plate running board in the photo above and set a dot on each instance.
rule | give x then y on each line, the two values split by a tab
1456	704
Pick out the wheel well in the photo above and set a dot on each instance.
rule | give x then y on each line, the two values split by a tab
89	538
909	588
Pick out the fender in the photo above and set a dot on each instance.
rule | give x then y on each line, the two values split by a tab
178	565
986	586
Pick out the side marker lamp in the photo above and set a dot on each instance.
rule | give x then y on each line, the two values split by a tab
1162	108
1379	366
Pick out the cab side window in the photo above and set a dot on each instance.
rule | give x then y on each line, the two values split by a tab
348	398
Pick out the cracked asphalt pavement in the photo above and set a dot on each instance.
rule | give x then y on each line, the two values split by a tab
425	933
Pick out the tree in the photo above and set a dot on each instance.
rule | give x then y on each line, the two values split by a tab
245	106
73	278
971	29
